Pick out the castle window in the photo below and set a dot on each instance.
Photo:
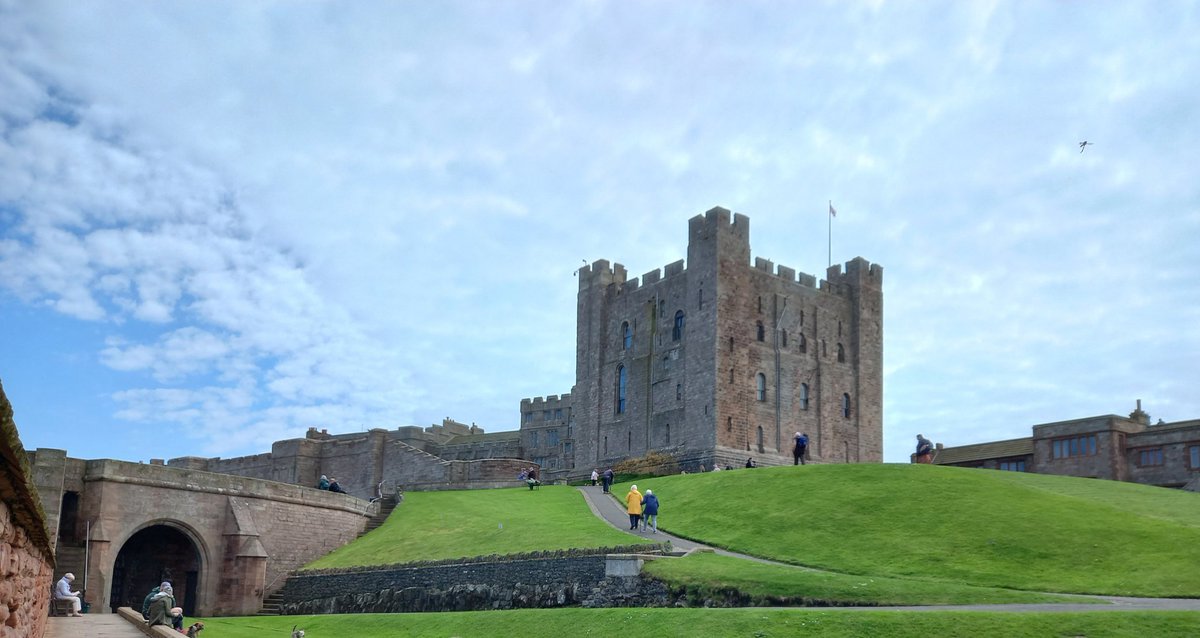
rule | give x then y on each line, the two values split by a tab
731	344
760	438
677	331
700	299
803	396
622	381
558	413
801	318
841	353
839	328
570	431
678	391
761	386
1150	458
626	336
760	305
1074	446
783	338
552	438
1012	466
760	333
629	441
803	343
546	415
846	406
527	417
729	424
1194	457
533	438
731	376
606	446
568	448
668	433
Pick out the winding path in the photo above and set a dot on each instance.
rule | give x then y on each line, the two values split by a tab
610	510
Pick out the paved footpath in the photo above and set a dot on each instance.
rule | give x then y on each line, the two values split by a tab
98	625
612	511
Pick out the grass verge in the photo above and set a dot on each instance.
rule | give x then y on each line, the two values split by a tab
705	623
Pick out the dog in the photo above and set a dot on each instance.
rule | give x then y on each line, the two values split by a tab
194	629
297	633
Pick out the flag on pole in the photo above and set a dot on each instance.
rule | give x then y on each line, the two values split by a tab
832	210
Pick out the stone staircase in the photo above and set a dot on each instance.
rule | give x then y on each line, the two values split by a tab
386	505
272	605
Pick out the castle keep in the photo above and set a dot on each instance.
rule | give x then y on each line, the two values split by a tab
718	361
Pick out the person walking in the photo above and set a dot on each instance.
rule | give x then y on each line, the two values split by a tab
62	591
650	511
801	449
595	476
608	479
633	507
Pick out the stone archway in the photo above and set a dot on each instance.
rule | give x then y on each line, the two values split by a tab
150	556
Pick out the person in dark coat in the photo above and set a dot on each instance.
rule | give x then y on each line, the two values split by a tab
801	449
650	511
161	608
608	479
150	598
334	486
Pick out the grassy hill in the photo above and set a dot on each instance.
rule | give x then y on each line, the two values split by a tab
438	525
978	527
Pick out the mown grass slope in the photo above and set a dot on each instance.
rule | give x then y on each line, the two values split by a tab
706	623
439	525
978	527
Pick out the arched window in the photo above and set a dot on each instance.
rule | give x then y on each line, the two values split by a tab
622	381
677	331
841	350
761	386
846	406
783	338
760	438
760	333
803	343
678	391
626	336
803	396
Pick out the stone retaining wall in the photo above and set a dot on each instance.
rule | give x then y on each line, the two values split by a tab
549	579
26	553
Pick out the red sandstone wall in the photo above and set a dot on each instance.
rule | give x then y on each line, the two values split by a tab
26	557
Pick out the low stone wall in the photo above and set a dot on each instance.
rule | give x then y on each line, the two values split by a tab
547	579
26	554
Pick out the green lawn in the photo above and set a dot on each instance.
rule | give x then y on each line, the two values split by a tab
439	525
777	585
707	623
978	527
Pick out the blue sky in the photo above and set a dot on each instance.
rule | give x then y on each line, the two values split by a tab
221	223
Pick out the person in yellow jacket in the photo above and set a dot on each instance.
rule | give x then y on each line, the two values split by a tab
633	505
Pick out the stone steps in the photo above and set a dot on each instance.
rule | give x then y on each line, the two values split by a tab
272	605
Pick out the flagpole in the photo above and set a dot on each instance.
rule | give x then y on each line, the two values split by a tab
829	214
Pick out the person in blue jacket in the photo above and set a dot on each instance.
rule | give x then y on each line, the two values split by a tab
650	510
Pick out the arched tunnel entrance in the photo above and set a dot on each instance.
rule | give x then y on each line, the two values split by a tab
153	555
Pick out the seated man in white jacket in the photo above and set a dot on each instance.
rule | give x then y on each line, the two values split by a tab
62	591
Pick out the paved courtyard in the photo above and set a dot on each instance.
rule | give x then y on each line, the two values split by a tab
92	626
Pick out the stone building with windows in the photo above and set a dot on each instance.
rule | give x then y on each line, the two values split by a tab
718	361
1108	447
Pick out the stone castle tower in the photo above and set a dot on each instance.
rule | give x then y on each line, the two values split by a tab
723	360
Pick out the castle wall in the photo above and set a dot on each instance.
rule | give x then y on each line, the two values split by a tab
26	548
547	432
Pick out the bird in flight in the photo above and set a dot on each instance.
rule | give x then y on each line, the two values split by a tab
1084	144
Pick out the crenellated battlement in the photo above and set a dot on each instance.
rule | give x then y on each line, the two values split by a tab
719	220
785	273
600	273
858	271
548	401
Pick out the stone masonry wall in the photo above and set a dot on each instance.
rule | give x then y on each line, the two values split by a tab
550	579
26	556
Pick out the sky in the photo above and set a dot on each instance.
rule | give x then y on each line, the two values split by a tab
222	223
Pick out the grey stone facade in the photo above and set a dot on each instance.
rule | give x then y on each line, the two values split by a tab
720	360
1109	447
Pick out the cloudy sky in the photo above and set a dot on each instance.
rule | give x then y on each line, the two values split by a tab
223	222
